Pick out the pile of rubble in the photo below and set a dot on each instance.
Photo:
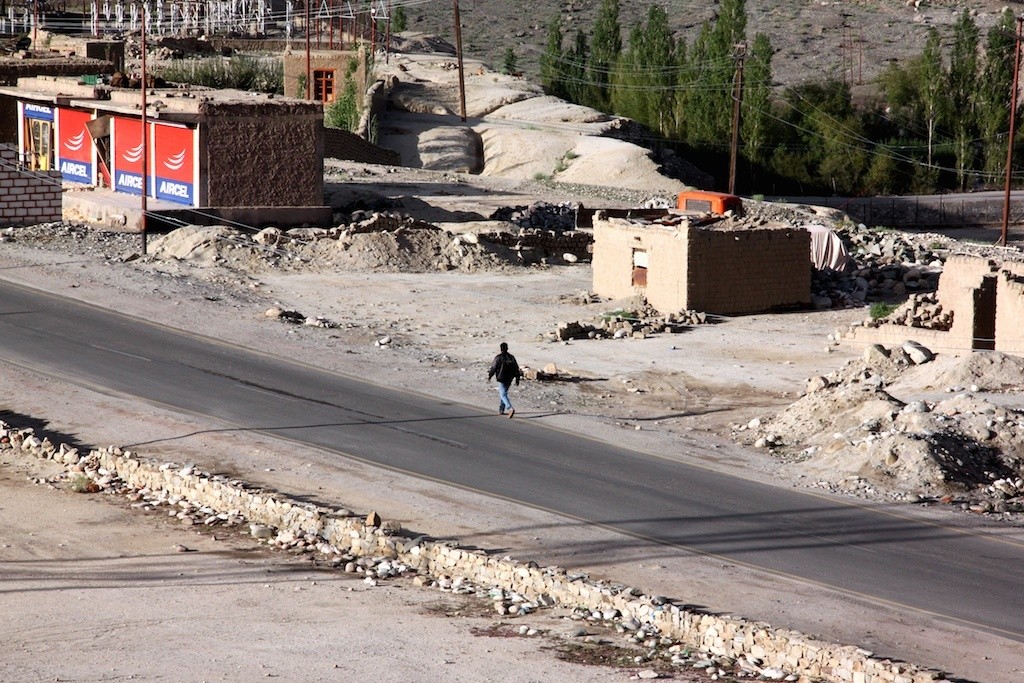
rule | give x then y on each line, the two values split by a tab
886	266
850	432
919	310
372	241
541	215
628	325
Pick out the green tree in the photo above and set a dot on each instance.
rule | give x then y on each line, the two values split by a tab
755	127
962	87
707	94
931	85
993	97
400	20
882	173
552	77
510	61
576	69
644	74
605	46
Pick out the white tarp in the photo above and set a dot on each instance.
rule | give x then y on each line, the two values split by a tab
827	249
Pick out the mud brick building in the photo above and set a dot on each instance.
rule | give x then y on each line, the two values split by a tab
987	300
203	148
678	264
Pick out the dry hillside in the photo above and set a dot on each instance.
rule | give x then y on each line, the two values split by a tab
812	39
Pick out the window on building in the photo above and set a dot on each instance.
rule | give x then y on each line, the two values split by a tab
323	85
639	268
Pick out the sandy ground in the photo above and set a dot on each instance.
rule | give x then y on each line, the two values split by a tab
101	594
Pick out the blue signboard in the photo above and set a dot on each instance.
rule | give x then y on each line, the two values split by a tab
38	111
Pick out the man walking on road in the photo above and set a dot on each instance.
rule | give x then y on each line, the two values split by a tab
506	370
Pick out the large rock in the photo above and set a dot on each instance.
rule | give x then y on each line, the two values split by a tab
918	353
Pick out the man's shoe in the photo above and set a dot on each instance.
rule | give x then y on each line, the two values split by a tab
511	413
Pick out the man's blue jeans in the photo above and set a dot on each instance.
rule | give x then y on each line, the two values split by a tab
503	395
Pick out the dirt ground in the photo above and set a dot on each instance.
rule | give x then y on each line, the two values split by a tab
103	592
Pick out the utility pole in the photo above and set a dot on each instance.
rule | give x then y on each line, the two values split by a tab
309	62
145	139
1009	142
458	53
737	100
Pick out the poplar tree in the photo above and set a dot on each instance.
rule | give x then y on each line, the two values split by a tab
962	81
644	75
605	46
707	102
931	88
993	101
552	77
575	70
757	100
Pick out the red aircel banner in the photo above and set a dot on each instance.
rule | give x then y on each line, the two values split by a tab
75	149
126	157
174	163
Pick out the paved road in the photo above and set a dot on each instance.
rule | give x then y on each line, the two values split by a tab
876	553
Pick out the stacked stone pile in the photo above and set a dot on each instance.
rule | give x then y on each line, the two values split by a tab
886	266
540	215
852	433
383	551
543	245
919	310
640	325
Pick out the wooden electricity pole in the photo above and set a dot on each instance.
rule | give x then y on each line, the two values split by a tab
458	53
737	100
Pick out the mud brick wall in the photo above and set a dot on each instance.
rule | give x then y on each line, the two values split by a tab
294	82
616	240
1010	310
341	144
961	277
265	155
27	197
748	270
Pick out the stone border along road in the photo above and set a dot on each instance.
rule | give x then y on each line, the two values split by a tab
774	654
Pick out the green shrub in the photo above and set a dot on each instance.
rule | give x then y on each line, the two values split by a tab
239	72
344	111
880	309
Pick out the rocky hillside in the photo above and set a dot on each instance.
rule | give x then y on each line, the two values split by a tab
812	40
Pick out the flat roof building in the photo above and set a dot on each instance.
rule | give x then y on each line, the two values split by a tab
203	147
678	263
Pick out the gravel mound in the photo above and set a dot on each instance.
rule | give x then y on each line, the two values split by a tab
868	428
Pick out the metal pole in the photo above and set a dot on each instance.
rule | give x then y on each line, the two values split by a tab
145	138
1009	143
387	37
458	53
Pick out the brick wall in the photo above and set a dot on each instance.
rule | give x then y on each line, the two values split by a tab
295	70
959	291
1010	310
704	269
27	197
749	270
341	144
